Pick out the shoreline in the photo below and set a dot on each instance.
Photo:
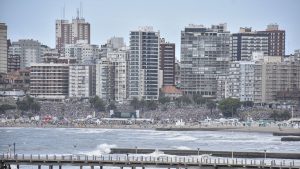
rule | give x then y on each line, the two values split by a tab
173	128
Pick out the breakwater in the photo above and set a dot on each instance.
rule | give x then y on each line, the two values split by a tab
236	154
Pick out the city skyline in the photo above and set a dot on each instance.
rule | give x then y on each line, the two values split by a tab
123	18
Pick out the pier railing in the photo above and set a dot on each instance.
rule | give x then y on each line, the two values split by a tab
135	160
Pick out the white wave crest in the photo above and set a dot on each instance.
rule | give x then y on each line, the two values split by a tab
183	138
101	149
182	148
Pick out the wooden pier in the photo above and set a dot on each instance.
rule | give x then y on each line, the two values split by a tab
143	162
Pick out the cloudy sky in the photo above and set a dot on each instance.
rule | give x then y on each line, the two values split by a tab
35	19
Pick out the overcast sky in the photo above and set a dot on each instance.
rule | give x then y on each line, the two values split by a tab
35	19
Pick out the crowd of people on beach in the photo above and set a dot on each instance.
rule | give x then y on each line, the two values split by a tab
79	113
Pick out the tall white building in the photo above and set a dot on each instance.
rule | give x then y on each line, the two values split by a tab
118	60
3	48
83	52
144	64
105	79
111	75
240	80
82	81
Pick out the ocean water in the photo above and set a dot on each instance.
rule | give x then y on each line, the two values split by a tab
90	141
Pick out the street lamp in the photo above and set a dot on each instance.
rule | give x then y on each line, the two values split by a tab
198	151
14	149
9	152
265	154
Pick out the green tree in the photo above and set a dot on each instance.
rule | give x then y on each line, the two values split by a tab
229	106
248	103
198	99
135	103
163	100
35	107
99	105
111	106
151	104
22	105
186	100
5	107
280	116
211	105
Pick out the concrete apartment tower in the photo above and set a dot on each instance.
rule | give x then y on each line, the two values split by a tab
3	48
167	62
205	55
276	40
144	64
246	42
70	33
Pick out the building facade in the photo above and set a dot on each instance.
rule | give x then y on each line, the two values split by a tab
246	42
49	80
82	81
273	78
240	81
105	79
3	48
29	51
205	55
167	63
276	40
70	33
144	64
83	52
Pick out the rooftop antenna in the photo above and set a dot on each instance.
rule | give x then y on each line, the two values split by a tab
81	10
64	11
77	13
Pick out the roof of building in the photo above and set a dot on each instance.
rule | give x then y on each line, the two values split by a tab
171	90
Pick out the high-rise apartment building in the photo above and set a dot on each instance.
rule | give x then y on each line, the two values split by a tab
205	55
29	52
105	79
49	80
144	64
276	40
167	63
70	33
273	77
240	81
82	81
3	48
112	82
246	42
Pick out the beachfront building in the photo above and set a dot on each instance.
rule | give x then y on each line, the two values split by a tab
144	64
244	43
240	81
49	81
276	40
82	81
3	48
275	80
205	55
167	62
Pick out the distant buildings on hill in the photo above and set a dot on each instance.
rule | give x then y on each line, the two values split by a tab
248	65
